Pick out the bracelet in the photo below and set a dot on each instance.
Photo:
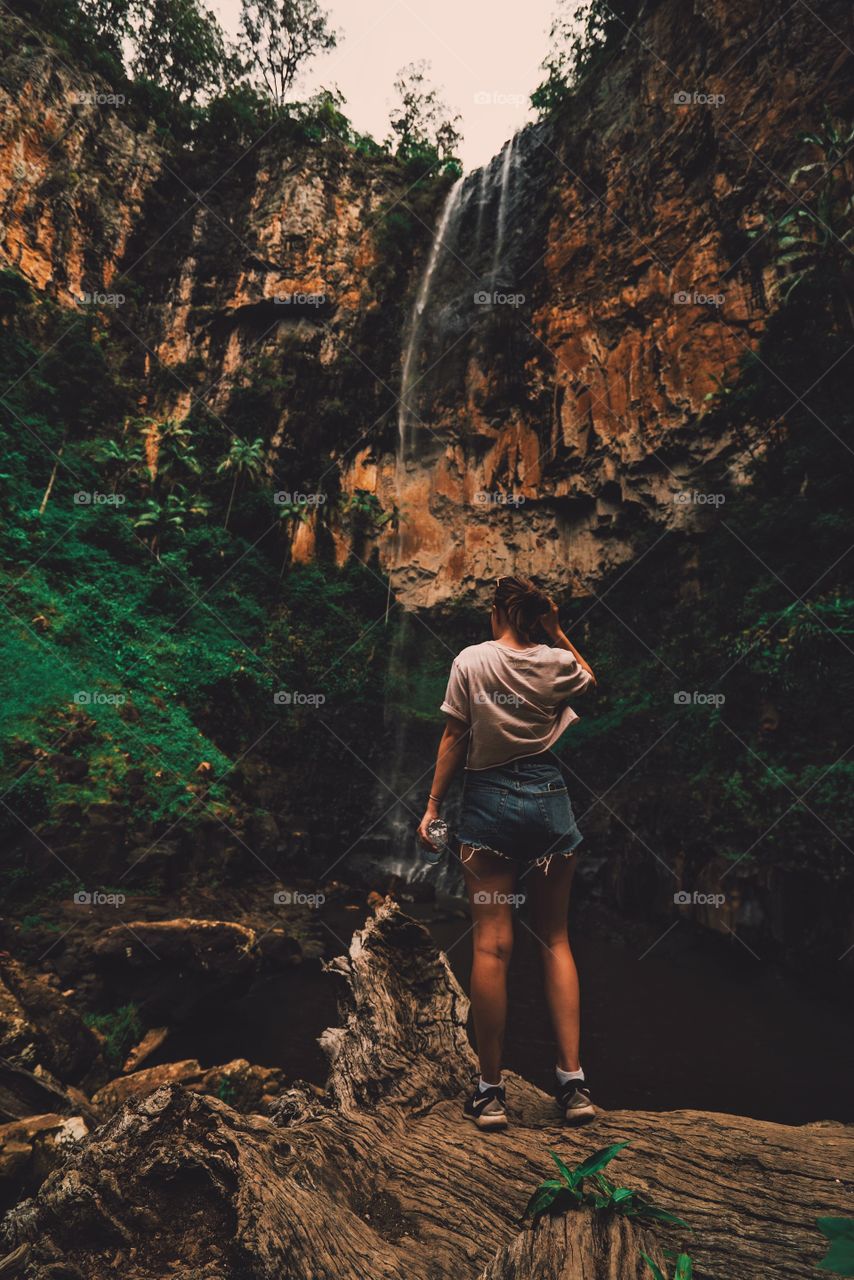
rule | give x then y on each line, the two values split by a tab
438	799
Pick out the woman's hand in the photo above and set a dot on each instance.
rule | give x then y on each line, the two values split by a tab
431	812
550	622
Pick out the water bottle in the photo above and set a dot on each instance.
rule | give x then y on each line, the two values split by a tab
437	830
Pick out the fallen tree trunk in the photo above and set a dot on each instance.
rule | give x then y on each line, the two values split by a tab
381	1176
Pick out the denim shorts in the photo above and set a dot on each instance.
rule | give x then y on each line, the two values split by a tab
519	811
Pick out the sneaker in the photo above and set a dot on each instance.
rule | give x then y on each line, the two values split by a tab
486	1107
573	1098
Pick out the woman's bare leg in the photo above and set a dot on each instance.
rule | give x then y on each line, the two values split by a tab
490	882
550	909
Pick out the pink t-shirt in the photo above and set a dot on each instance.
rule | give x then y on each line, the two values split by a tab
513	699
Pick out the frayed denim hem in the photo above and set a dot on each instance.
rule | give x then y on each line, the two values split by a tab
545	861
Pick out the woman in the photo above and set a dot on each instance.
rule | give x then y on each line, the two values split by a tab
506	708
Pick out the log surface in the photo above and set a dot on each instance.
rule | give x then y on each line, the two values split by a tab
382	1177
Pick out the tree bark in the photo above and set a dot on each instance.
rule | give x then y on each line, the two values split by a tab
382	1177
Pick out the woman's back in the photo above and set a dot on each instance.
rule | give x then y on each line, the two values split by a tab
513	699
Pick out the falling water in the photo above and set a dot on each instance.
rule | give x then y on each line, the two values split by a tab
501	222
444	234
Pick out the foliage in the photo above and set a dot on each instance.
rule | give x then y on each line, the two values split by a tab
586	1185
425	134
582	35
684	1267
278	37
815	236
122	1029
839	1233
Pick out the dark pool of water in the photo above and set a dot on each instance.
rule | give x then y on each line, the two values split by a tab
687	1020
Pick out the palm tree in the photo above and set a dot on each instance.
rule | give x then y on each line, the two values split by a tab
173	514
818	237
245	461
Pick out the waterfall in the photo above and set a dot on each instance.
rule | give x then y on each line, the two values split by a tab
444	232
501	221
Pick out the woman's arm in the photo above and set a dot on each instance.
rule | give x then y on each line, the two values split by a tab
551	625
449	758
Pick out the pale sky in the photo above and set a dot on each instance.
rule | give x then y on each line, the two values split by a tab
485	57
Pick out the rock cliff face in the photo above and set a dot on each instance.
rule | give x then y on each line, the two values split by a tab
585	293
556	426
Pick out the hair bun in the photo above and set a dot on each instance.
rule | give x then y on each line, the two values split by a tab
523	602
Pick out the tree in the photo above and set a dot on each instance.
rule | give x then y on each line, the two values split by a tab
180	46
278	37
582	32
421	122
244	461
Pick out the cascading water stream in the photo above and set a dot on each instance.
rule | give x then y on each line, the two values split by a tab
442	238
501	221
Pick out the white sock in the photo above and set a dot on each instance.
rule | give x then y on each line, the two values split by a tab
564	1077
483	1085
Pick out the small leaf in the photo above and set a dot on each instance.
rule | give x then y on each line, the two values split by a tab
599	1159
684	1268
652	1213
569	1178
654	1268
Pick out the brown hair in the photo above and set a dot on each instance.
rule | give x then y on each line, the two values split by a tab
522	602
